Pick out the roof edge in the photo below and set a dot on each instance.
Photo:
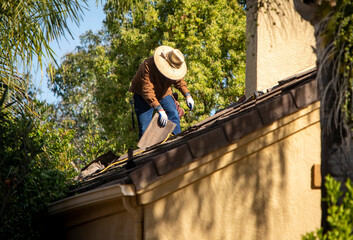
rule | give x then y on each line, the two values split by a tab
92	197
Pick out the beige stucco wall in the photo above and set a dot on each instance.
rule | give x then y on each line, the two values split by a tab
280	44
99	214
108	221
257	188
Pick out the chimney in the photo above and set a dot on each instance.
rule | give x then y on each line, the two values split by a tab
280	44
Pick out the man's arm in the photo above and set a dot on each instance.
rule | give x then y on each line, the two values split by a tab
181	86
148	92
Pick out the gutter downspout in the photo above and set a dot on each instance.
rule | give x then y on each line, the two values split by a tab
129	203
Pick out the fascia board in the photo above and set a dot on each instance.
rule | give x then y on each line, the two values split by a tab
90	198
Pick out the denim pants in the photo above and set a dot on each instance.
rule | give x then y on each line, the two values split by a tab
144	113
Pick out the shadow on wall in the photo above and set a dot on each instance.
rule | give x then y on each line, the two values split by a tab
233	202
277	16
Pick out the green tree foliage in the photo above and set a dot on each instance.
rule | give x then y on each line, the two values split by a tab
211	34
339	32
340	209
35	163
75	82
26	29
35	155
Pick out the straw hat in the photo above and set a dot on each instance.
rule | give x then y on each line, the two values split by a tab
170	62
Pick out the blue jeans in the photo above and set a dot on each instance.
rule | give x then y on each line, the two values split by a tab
144	113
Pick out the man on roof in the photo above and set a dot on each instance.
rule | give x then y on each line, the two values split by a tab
151	86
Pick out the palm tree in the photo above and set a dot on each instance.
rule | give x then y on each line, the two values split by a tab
26	28
331	20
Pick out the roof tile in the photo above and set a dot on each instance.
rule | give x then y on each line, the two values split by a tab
279	107
305	94
172	159
242	125
143	176
207	142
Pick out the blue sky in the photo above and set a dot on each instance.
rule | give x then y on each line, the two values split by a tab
92	19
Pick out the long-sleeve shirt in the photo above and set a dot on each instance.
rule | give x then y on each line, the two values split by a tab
152	85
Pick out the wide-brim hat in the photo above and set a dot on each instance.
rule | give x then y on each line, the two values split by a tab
170	62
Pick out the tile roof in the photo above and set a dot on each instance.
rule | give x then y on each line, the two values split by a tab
223	128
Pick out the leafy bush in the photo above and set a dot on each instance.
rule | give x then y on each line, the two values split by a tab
35	163
340	212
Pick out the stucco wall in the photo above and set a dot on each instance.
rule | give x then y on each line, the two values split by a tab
257	188
110	222
106	220
280	44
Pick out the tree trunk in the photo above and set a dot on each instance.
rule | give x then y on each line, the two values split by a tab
336	144
336	139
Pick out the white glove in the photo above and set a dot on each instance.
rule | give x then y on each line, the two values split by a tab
190	102
163	118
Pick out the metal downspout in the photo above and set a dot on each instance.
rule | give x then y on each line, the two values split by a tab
137	215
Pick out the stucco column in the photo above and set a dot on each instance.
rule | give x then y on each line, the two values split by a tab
280	44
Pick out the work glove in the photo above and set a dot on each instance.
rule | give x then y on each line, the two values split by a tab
163	118
190	102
